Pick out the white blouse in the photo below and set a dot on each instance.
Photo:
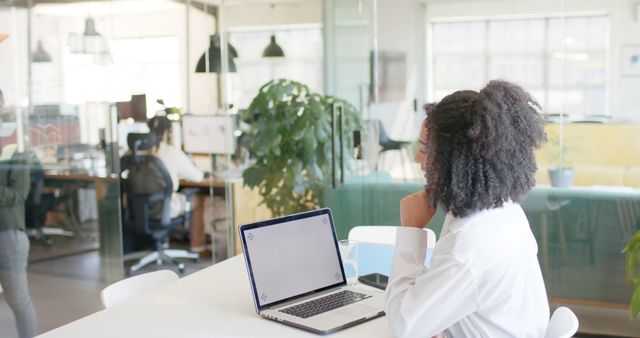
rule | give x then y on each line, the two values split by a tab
484	279
178	165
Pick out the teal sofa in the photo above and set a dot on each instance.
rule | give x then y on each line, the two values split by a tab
580	234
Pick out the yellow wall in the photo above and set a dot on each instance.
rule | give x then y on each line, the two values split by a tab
601	154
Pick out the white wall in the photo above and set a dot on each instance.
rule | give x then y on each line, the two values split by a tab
13	56
401	28
283	13
624	101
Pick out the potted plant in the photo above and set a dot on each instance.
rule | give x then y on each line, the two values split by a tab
290	144
559	153
632	251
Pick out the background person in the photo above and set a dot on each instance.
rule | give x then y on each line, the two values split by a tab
14	243
484	279
179	167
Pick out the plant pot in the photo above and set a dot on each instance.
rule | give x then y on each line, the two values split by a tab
561	177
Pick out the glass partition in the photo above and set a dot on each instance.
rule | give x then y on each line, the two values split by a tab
60	135
575	58
273	87
77	79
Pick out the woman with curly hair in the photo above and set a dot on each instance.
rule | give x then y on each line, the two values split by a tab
477	152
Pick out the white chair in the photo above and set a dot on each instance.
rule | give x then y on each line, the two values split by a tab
563	324
384	234
127	288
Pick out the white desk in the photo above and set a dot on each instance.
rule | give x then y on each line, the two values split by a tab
213	302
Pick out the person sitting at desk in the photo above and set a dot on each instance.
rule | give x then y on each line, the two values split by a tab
14	243
179	167
476	149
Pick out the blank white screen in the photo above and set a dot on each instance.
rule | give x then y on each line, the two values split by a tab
208	134
293	258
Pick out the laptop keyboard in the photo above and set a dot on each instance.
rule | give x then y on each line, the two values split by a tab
324	304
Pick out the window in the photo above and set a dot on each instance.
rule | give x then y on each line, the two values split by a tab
562	65
144	65
302	62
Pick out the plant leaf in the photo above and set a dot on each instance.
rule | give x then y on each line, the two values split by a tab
290	140
251	177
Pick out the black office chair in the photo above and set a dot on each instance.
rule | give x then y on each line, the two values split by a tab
386	144
38	203
147	190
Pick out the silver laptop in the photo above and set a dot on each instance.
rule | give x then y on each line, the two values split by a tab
296	274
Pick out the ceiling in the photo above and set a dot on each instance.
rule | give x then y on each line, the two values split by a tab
23	3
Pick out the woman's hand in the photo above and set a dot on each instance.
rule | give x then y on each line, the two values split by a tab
415	210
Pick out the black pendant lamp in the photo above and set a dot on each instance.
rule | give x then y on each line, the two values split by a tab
209	62
90	27
273	50
40	55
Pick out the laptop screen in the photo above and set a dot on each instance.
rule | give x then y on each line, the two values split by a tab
291	256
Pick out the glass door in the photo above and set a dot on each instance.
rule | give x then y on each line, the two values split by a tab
59	132
351	70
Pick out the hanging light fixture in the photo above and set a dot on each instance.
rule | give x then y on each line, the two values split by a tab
273	50
40	55
90	41
94	43
210	61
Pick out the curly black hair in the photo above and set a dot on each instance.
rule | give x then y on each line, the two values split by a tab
158	125
480	147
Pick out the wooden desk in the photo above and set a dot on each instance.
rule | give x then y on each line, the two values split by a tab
213	302
205	183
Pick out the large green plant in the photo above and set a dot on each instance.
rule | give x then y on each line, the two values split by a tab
290	141
632	250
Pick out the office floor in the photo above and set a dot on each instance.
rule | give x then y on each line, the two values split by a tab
67	288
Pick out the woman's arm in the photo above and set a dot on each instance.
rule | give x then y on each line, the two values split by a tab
415	210
186	169
421	302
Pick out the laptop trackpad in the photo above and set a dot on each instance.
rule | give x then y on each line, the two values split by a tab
356	310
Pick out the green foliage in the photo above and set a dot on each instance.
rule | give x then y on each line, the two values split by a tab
632	250
290	140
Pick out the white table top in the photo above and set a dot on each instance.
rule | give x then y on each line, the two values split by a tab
213	302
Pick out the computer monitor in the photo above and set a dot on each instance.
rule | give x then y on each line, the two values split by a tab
208	134
125	110
139	107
